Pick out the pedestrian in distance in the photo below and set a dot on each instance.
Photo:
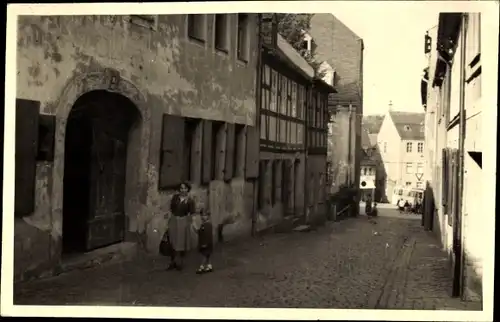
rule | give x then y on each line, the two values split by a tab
400	205
182	207
368	205
374	212
205	242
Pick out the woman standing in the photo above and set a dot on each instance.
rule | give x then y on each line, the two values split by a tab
182	207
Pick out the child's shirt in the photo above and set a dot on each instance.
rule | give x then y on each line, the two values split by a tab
205	235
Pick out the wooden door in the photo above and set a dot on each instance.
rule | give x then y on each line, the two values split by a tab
25	156
106	218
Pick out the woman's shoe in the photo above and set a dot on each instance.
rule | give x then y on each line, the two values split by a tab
171	267
201	270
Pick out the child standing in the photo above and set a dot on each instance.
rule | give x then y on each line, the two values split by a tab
205	242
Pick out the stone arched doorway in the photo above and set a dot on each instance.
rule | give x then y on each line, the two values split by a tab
98	130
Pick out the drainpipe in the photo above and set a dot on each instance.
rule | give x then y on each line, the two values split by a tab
461	147
258	103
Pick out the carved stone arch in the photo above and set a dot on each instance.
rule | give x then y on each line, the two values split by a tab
107	80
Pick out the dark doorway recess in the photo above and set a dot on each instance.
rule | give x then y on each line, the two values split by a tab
95	158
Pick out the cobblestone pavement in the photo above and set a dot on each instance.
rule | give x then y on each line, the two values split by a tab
354	263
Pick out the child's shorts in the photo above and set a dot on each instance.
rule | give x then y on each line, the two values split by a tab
205	250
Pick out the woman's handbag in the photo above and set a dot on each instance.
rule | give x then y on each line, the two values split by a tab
166	248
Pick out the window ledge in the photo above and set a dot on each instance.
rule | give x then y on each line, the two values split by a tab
241	61
197	41
222	51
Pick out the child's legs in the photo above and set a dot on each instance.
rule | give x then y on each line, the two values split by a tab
206	253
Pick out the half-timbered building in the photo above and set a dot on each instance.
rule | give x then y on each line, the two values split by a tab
293	137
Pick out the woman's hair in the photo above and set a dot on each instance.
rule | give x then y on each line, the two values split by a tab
185	183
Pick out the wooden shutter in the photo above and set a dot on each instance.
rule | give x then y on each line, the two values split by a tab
261	185
451	185
279	181
46	135
172	151
207	152
229	164
444	181
455	188
252	155
27	112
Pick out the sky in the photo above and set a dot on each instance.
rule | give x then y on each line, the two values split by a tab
394	53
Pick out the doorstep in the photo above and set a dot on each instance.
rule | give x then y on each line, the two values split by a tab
124	251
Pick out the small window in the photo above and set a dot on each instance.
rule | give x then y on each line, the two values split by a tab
420	168
408	183
364	171
409	168
196	26
243	39
419	185
420	147
409	147
222	32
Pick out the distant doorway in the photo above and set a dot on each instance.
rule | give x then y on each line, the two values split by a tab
95	158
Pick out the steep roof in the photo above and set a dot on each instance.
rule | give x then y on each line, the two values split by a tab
365	138
373	123
410	126
294	57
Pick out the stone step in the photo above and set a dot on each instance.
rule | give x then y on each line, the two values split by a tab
111	254
302	228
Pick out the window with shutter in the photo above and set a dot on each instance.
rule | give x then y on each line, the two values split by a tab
239	150
207	152
218	149
172	152
27	112
230	152
252	153
261	184
191	151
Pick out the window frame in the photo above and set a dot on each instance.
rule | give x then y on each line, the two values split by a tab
226	32
191	27
409	147
243	37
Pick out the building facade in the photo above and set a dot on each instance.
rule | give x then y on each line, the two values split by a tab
342	49
401	142
293	135
453	151
101	103
370	173
371	125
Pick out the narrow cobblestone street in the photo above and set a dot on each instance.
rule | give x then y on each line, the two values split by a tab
353	263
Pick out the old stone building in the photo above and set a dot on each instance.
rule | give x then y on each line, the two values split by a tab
342	49
113	112
454	145
293	137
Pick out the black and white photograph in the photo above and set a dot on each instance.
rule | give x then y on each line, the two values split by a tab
240	156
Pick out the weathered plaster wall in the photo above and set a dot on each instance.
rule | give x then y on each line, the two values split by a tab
338	149
61	58
316	191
